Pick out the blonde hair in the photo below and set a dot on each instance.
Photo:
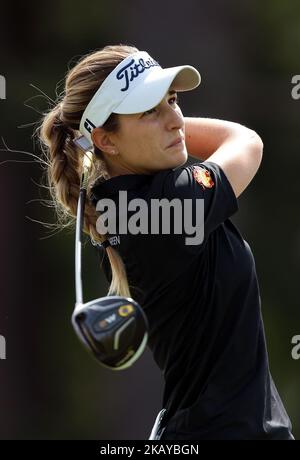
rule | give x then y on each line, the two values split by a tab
59	127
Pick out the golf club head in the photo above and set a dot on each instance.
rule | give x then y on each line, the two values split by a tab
113	328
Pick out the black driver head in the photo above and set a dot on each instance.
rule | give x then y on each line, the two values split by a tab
113	328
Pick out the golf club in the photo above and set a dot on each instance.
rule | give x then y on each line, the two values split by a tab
113	328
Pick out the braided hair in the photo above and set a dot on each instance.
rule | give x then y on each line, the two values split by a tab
57	131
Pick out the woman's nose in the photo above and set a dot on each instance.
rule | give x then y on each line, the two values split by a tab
174	118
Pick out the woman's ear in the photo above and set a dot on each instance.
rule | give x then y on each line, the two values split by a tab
102	139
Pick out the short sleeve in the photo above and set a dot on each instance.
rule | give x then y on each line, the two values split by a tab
204	182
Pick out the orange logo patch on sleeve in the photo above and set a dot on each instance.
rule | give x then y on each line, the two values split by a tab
203	177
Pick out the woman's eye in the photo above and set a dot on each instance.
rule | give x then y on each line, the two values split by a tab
149	111
174	100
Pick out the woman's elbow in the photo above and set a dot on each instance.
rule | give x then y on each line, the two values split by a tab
252	139
257	145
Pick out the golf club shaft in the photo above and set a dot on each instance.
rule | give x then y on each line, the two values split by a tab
79	226
78	246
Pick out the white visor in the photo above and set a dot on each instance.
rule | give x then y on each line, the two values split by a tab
137	84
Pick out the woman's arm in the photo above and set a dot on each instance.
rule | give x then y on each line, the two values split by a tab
235	148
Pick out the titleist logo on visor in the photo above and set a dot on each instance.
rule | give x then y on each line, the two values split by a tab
132	70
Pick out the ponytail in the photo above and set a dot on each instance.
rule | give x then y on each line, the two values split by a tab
57	131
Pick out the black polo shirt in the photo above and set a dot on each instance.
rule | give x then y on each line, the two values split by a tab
204	310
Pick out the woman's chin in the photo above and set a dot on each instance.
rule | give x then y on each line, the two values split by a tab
180	158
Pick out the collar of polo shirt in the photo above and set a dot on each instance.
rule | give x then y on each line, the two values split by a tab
137	84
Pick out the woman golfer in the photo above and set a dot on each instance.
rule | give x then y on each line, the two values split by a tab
192	272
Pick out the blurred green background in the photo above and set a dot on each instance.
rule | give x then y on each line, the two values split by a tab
247	53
